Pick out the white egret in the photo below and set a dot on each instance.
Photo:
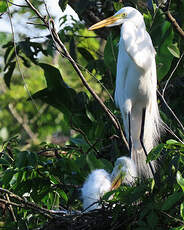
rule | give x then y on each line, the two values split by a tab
136	83
100	182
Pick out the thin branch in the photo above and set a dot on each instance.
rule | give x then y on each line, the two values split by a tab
16	115
85	137
40	112
175	24
17	58
172	112
24	204
172	19
169	78
11	208
35	24
172	217
22	122
16	4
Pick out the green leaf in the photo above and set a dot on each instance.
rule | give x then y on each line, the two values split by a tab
165	39
152	220
63	195
182	210
164	57
172	200
180	180
8	174
4	162
86	54
111	53
9	52
178	228
117	5
53	77
63	4
93	162
174	50
3	6
21	159
155	152
8	75
32	159
72	49
172	142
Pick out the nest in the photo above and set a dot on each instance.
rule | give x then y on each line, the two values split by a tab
97	219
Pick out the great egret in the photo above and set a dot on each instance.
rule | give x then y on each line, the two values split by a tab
100	182
136	83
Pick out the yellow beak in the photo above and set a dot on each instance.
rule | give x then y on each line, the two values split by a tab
117	181
105	22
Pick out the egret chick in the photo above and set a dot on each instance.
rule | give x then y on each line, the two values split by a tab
95	186
100	182
124	172
136	83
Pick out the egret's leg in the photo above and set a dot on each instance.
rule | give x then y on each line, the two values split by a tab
142	137
129	132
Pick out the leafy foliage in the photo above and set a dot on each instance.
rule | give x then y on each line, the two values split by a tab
50	175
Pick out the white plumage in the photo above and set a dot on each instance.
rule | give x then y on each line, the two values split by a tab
100	182
136	83
95	186
125	169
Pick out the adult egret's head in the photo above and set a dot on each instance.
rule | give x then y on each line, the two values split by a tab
124	14
123	172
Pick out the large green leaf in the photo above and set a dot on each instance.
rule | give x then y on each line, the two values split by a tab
164	57
172	200
3	6
64	98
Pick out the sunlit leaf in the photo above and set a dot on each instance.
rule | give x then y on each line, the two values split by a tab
180	180
174	50
182	210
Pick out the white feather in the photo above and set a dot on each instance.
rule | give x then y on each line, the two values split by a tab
127	167
95	186
136	83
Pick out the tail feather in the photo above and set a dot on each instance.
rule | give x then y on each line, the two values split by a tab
152	130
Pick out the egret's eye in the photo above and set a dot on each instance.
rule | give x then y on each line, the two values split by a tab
123	15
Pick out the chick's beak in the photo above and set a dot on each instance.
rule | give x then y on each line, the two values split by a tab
105	22
116	182
116	177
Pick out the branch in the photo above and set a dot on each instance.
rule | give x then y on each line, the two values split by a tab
64	52
175	24
16	4
172	19
169	78
22	122
16	56
174	115
20	202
